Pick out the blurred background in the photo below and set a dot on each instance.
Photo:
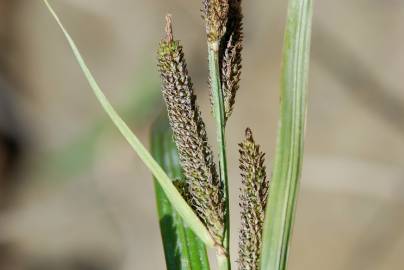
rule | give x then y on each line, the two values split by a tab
74	196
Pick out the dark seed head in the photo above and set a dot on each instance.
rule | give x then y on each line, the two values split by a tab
253	199
203	187
230	55
215	13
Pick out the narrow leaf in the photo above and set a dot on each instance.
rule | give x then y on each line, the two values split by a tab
172	194
289	150
182	248
219	114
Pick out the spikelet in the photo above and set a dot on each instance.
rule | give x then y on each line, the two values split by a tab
203	187
215	13
230	55
254	193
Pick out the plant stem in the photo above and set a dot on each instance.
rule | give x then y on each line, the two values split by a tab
223	262
218	108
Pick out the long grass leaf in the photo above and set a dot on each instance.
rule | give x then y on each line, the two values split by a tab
289	150
172	194
182	248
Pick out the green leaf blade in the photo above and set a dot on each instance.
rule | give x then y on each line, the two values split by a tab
173	195
280	211
183	249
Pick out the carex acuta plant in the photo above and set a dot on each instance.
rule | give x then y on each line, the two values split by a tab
194	207
203	189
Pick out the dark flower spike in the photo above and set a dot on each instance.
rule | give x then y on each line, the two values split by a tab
203	186
230	55
215	13
253	198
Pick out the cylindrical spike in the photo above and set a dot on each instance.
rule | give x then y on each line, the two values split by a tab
196	157
253	198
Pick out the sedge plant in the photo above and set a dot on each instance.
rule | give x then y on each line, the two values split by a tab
192	190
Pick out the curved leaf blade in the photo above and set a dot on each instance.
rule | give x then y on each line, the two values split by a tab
172	194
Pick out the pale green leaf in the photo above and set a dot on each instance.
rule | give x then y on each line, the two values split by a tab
279	216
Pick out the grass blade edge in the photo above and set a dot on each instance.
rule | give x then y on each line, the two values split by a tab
173	195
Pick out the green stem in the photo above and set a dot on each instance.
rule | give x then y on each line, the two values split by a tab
223	262
219	113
